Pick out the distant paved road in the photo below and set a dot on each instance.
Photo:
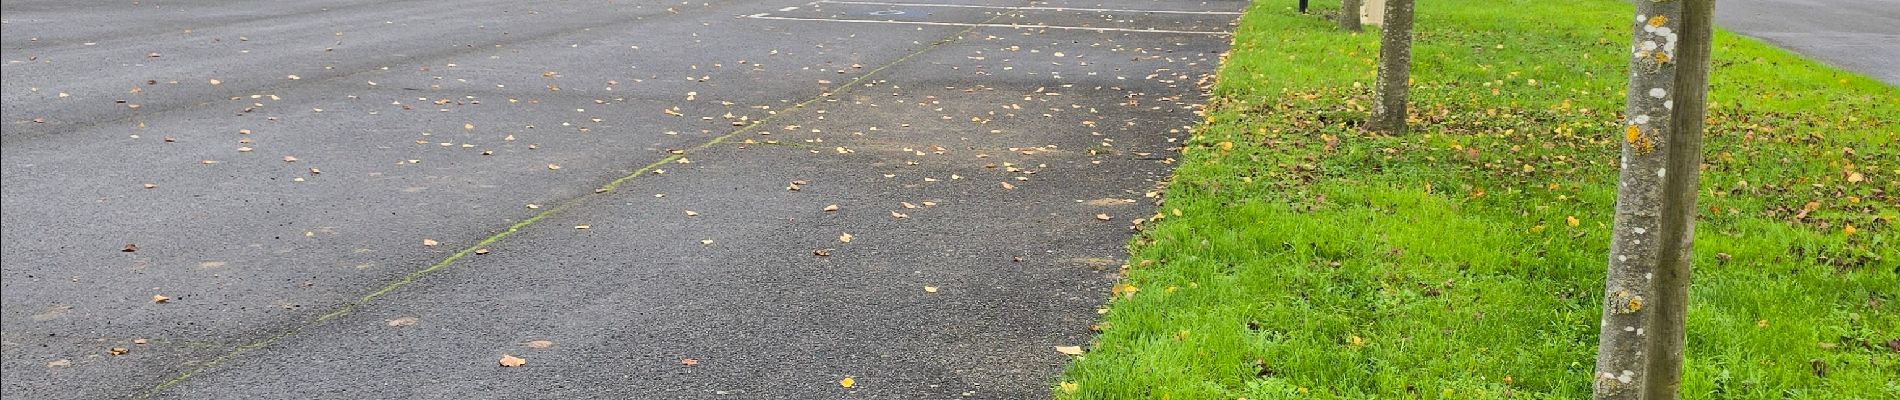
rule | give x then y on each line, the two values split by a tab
1857	35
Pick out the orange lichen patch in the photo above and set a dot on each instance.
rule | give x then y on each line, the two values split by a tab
1658	21
1637	141
1662	57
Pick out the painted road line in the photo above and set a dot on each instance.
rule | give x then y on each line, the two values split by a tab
986	25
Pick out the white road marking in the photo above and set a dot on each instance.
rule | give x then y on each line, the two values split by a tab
880	3
1012	26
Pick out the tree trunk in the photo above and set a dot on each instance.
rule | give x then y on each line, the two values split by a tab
1639	351
1395	69
1349	15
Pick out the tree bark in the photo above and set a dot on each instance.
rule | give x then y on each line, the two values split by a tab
1639	349
1395	69
1349	15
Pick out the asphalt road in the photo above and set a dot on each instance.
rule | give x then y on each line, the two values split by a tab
380	198
1857	35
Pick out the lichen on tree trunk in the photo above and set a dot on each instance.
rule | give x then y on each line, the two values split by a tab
1395	69
1646	286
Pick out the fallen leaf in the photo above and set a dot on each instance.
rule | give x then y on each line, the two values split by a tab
1070	350
583	226
403	321
151	186
847	382
689	362
60	364
554	166
833	207
160	299
290	159
509	361
930	289
1070	387
1103	217
846	237
430	242
140	341
691	213
1572	221
821	252
899	215
481	251
707	242
1006	186
130	247
119	351
294	77
540	344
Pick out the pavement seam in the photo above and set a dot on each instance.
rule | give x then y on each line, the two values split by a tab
412	277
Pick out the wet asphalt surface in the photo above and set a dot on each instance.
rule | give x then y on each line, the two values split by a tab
378	199
1856	35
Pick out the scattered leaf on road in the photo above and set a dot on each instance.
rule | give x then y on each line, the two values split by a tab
160	299
1070	350
540	344
847	382
509	361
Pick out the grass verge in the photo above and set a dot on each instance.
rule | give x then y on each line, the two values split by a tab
1297	257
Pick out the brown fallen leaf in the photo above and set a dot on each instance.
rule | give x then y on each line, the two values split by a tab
689	362
119	351
821	252
509	361
845	237
1103	217
1007	186
899	215
130	247
540	344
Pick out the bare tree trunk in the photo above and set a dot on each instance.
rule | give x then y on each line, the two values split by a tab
1639	350
1395	69
1349	15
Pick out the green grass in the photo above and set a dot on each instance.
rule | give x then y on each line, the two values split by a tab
1443	264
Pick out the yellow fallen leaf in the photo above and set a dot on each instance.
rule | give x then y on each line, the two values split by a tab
1070	387
468	126
1070	350
509	361
554	166
161	299
1572	221
846	237
430	242
847	382
1849	230
930	289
